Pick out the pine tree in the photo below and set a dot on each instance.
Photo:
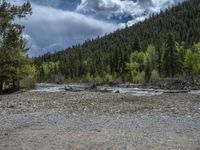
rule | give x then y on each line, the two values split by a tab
159	57
171	57
148	71
136	44
12	44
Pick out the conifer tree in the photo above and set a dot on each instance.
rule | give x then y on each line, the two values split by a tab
171	57
136	44
159	57
148	71
12	44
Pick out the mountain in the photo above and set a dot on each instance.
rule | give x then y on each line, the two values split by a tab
109	54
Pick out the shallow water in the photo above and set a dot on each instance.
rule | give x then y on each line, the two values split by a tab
44	87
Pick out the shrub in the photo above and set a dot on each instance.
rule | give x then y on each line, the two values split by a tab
98	79
108	78
139	78
88	78
27	83
59	78
155	75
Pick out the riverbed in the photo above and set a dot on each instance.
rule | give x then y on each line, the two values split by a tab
44	87
96	120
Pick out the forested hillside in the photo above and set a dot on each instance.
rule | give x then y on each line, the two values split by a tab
165	45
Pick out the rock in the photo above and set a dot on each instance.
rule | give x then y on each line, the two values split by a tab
11	106
6	134
106	90
91	86
68	89
117	91
71	89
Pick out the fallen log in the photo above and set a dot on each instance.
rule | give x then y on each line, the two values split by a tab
175	91
71	89
105	90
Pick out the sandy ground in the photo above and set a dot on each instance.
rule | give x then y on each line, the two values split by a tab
89	120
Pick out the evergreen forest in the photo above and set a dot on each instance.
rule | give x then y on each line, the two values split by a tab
166	45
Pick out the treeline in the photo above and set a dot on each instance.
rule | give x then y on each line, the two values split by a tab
160	46
16	69
169	60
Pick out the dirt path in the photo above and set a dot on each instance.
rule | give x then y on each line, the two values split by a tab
85	120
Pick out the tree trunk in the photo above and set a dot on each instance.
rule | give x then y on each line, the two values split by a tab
1	87
16	85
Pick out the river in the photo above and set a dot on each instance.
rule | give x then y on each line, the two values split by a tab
51	87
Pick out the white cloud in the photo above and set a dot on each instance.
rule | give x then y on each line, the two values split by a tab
50	28
137	9
108	7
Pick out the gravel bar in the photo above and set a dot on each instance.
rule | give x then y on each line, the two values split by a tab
92	120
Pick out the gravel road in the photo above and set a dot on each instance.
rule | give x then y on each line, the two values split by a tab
89	120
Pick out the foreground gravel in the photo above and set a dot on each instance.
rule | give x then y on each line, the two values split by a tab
89	120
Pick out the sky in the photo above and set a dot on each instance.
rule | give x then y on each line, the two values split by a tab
58	24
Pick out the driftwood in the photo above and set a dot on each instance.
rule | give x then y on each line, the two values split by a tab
176	91
105	90
89	87
92	86
72	89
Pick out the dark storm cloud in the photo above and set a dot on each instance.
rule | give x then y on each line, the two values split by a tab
57	24
50	29
59	4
